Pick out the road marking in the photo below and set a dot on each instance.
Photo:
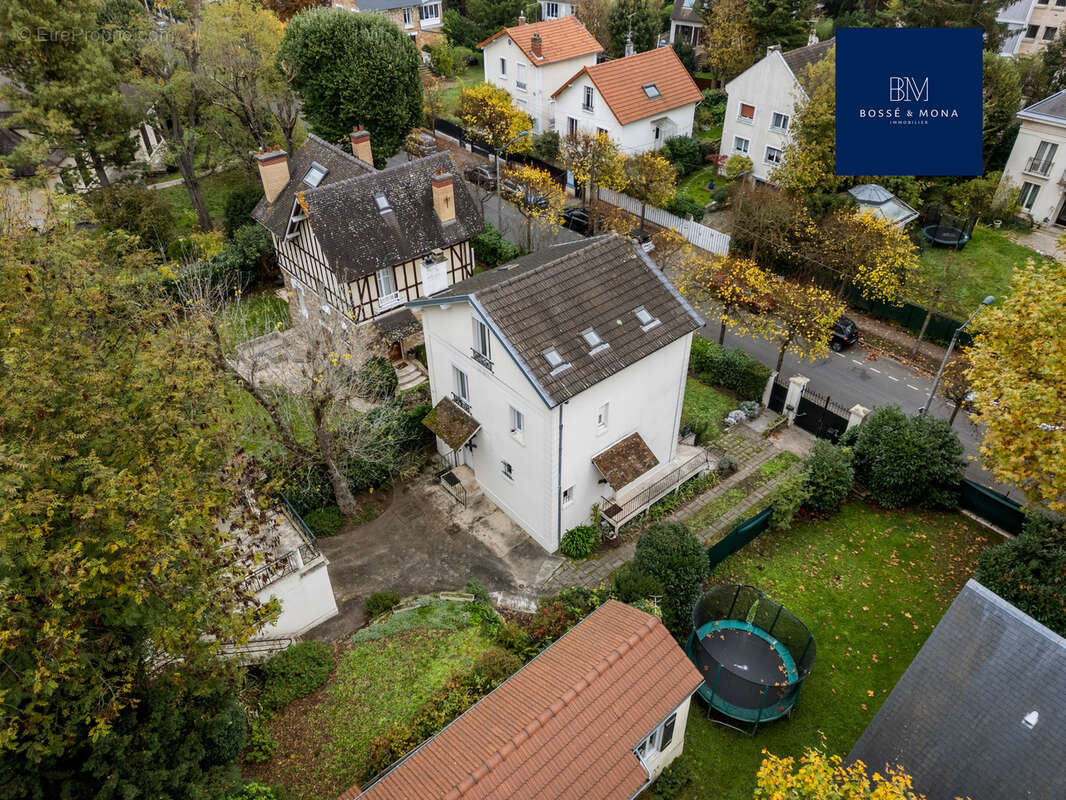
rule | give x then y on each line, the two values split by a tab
912	386
893	379
856	361
839	355
875	370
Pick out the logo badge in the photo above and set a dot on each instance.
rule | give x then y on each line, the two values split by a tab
908	101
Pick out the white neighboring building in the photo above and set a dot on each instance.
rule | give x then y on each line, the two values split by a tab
550	9
1037	163
1031	24
762	101
557	383
640	101
532	61
686	22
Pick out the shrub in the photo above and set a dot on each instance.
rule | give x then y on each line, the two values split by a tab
307	488
324	522
669	552
684	153
681	205
720	194
294	673
737	165
136	209
261	744
628	584
728	368
465	57
727	465
750	408
226	733
380	602
830	474
673	780
239	206
479	590
377	379
546	146
493	667
1029	571
254	791
908	460
442	57
787	499
513	637
248	253
580	542
491	249
551	621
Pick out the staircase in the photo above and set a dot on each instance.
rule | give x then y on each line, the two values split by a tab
409	374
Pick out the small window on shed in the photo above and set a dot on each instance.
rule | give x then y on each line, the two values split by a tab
315	173
651	90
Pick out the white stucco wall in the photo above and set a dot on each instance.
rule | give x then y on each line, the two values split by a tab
658	761
1051	195
306	600
769	86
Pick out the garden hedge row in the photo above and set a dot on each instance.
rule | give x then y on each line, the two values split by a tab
728	368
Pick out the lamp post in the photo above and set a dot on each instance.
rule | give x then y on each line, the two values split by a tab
936	382
499	187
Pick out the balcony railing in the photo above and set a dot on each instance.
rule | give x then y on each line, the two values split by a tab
1039	166
290	562
618	514
481	358
387	301
461	402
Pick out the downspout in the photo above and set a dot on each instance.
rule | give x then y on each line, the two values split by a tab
559	479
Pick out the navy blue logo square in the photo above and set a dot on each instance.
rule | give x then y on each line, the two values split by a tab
909	101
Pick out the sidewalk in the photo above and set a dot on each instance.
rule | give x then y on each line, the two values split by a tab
897	343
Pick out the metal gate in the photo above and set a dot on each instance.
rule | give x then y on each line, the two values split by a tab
778	393
821	416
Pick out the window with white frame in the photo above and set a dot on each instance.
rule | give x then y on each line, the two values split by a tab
462	384
518	424
779	121
551	10
503	67
408	19
1032	31
386	284
1028	195
659	739
740	144
508	470
482	339
571	126
601	417
568	495
773	155
429	13
520	76
586	102
746	112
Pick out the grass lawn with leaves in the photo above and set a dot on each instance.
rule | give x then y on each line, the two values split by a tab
871	586
703	402
471	76
215	187
323	740
252	316
694	186
983	267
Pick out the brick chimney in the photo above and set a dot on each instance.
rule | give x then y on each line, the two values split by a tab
536	45
360	139
522	18
444	197
273	171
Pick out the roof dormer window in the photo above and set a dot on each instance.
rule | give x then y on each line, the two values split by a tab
314	175
383	202
555	361
593	340
651	90
644	317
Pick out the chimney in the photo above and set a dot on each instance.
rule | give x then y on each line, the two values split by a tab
444	197
774	48
522	18
273	171
360	139
630	50
535	44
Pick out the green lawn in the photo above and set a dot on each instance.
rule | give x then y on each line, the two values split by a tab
984	266
253	316
473	75
215	187
871	585
704	409
712	133
694	186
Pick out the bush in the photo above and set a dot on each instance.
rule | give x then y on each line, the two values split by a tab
551	621
727	465
493	667
684	153
628	584
719	194
750	408
737	165
669	552
580	542
491	249
465	57
254	791
136	209
324	522
673	780
442	57
239	206
380	602
377	379
546	146
830	474
907	460
261	744
1029	571
728	368
307	488
294	673
513	637
249	253
479	590
787	499
681	206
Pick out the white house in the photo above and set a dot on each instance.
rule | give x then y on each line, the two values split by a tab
1036	163
421	20
558	381
599	715
531	61
762	100
686	22
1030	25
550	9
640	101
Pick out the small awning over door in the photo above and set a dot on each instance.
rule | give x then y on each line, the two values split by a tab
453	425
625	461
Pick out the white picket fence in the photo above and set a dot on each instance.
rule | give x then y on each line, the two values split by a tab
700	235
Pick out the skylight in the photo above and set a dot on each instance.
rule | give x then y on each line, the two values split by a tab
591	337
551	355
315	173
383	203
642	315
651	90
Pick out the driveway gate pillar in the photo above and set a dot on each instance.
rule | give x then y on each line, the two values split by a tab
796	385
857	415
769	388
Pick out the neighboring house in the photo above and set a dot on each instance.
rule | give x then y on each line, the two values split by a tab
640	101
686	22
980	712
557	383
599	714
354	244
532	61
1037	163
1031	24
419	19
762	101
553	10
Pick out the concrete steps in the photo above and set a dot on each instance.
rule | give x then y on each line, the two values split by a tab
409	375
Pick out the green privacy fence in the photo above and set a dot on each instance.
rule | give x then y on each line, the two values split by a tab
992	507
745	532
910	316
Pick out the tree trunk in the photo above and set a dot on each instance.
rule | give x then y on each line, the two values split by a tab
721	331
99	169
954	413
921	333
192	186
643	212
529	234
207	156
341	491
781	354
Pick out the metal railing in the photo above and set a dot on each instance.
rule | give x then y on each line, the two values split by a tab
481	358
452	485
387	301
290	562
1039	166
461	402
618	514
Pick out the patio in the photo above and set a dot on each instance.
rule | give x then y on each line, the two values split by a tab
634	497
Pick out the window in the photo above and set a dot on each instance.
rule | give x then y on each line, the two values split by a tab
747	112
408	20
587	102
1028	196
383	202
602	130
1041	2
568	496
315	173
668	731
482	339
551	10
591	337
659	739
429	13
551	355
508	470
503	67
1031	31
601	417
773	155
658	132
651	90
1049	33
520	76
386	282
571	126
1060	3
740	144
462	384
779	122
518	423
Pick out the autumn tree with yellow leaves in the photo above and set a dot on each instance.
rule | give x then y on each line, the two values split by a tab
538	198
731	40
651	179
802	317
488	115
595	161
817	776
723	286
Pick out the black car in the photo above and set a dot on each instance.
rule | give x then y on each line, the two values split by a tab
845	334
482	176
577	220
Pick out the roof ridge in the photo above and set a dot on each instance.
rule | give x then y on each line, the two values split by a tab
524	273
542	719
338	150
808	46
378	172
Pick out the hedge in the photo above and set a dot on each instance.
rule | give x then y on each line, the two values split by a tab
728	368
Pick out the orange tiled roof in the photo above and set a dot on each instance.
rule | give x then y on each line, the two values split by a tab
563	726
621	83
561	39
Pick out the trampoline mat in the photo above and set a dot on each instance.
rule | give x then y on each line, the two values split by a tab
944	234
746	651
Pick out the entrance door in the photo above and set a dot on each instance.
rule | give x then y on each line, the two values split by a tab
1061	219
395	352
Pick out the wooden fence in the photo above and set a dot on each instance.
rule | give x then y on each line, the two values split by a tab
698	234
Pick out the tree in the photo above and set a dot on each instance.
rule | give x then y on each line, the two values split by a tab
539	198
354	70
686	54
432	101
830	475
954	384
287	9
636	18
668	552
489	16
461	31
957	14
594	15
722	286
1017	375
802	317
115	578
651	179
595	161
818	776
731	46
136	209
488	115
783	22
1053	60
1002	97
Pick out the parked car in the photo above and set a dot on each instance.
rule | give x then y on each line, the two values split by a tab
580	221
481	175
845	334
513	190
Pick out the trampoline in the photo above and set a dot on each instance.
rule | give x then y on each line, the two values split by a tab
753	654
946	230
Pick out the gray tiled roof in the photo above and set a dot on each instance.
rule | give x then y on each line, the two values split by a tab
802	57
955	719
1053	106
687	12
549	298
385	5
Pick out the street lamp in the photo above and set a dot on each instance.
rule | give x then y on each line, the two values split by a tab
499	195
932	392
